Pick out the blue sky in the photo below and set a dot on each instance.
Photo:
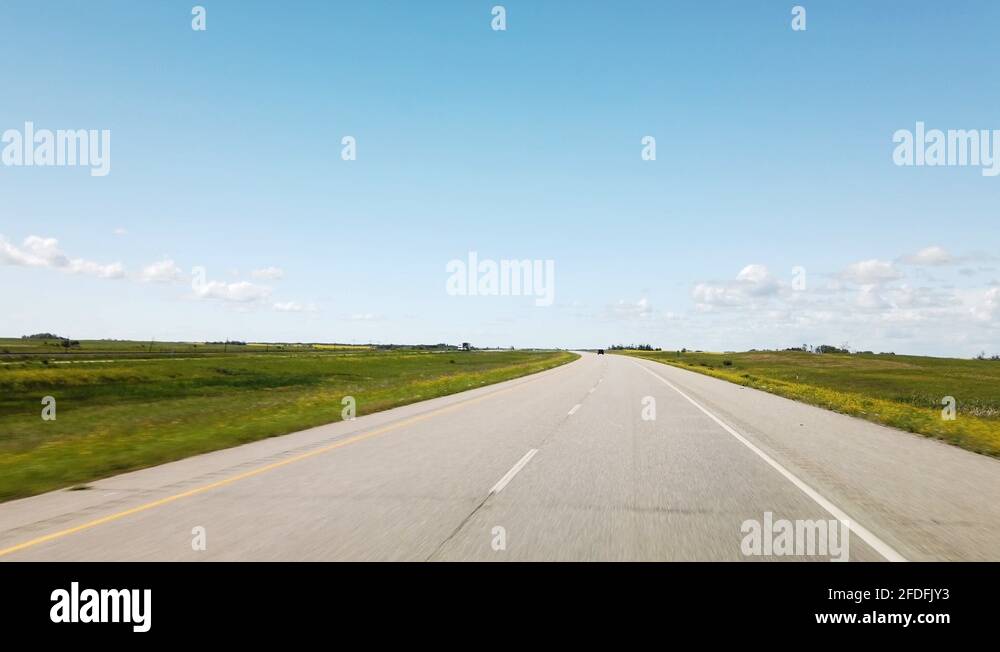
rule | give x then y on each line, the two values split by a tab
774	150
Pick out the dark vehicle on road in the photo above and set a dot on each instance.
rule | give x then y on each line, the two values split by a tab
600	351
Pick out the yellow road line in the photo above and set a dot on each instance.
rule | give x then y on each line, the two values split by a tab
249	474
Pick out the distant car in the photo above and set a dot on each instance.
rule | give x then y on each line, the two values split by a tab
600	351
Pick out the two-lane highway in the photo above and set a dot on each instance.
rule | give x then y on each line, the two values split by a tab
569	464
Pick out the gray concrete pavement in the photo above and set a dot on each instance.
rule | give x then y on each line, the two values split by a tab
447	479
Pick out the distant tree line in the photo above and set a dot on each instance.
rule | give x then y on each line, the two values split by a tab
843	349
632	347
429	347
64	342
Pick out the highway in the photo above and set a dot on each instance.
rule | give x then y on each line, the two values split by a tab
561	466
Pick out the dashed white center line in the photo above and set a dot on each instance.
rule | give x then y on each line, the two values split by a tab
502	482
574	409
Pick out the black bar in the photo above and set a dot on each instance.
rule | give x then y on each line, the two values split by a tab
247	600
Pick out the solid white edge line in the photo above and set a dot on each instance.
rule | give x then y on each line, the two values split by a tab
502	482
880	546
573	409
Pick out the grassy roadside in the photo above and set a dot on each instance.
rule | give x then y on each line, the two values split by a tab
120	414
904	392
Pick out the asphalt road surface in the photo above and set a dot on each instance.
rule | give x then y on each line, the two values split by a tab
562	465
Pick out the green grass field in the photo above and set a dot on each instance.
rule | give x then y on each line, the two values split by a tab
115	412
895	390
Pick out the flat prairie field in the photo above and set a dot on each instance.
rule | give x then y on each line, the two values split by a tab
116	412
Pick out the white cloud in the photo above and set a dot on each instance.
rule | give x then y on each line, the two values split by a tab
163	271
363	316
989	307
268	273
873	304
36	251
753	283
757	281
870	298
80	266
294	306
929	256
119	231
871	272
905	296
240	292
630	309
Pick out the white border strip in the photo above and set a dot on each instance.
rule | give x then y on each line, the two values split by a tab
867	536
